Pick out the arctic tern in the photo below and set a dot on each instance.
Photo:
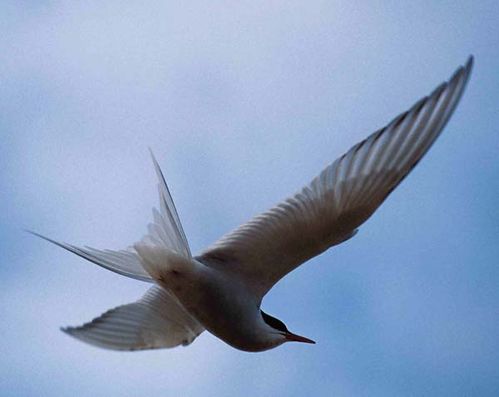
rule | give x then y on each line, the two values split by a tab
221	290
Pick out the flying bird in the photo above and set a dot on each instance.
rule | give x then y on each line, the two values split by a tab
221	290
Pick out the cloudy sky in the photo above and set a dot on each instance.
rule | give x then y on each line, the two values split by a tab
243	103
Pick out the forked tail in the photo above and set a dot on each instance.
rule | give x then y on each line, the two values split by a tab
165	233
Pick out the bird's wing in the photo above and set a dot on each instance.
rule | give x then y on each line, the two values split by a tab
330	209
155	321
165	231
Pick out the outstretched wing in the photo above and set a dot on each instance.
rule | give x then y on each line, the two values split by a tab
330	209
165	231
155	321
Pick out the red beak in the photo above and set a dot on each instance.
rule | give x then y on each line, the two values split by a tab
297	338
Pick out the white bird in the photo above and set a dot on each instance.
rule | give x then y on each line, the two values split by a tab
222	289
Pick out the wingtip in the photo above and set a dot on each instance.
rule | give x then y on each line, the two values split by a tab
67	330
468	67
75	332
470	61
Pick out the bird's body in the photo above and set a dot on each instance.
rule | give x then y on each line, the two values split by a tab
217	299
221	301
221	290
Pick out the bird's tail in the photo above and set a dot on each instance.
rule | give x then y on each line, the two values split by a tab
161	263
165	239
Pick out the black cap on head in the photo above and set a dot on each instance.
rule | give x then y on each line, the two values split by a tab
274	322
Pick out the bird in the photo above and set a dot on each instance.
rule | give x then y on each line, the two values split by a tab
221	289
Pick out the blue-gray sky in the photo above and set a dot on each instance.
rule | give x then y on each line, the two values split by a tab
243	103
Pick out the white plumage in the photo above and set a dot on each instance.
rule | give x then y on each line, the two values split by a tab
221	290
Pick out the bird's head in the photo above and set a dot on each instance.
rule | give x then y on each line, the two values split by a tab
280	332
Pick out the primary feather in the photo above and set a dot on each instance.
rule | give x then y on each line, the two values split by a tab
155	321
330	209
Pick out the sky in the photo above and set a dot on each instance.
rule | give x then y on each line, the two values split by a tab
243	103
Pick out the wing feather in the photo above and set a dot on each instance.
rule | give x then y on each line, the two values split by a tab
156	321
330	209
